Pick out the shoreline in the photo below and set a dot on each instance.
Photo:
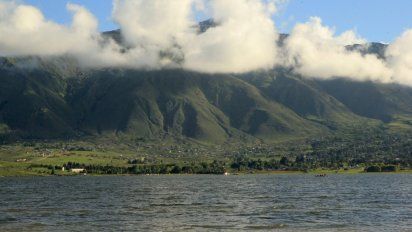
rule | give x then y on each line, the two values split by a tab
265	172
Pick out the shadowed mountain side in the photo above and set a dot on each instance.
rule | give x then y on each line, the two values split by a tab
304	96
205	107
42	103
372	100
32	103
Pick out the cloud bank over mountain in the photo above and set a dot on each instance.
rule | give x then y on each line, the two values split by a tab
163	34
238	43
399	56
315	51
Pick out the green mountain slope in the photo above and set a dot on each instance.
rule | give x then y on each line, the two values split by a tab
55	99
305	97
378	101
199	106
32	103
37	103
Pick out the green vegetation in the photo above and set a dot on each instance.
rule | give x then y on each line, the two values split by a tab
175	121
379	152
383	168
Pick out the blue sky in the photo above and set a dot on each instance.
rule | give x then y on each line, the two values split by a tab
375	20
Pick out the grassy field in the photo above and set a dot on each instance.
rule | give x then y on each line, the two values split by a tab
18	160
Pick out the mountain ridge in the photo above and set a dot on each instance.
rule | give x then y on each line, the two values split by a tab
55	98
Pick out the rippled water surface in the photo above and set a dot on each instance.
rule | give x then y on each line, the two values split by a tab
364	202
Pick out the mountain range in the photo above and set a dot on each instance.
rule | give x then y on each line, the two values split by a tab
53	98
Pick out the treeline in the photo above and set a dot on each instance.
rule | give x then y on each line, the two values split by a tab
368	149
383	168
306	163
214	167
243	163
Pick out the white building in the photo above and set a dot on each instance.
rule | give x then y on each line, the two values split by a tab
77	170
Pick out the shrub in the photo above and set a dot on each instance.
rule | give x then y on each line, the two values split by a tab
373	169
389	168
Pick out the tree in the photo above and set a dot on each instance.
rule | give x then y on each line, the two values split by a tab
176	169
300	159
135	169
284	161
373	169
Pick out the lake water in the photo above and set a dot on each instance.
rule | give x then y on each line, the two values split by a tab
364	202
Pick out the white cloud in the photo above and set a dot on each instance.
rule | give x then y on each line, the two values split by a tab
153	27
163	33
314	51
399	56
236	44
25	31
244	39
153	23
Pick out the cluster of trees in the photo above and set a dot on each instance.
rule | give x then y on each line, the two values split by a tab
307	162
379	148
242	163
202	168
360	149
384	168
